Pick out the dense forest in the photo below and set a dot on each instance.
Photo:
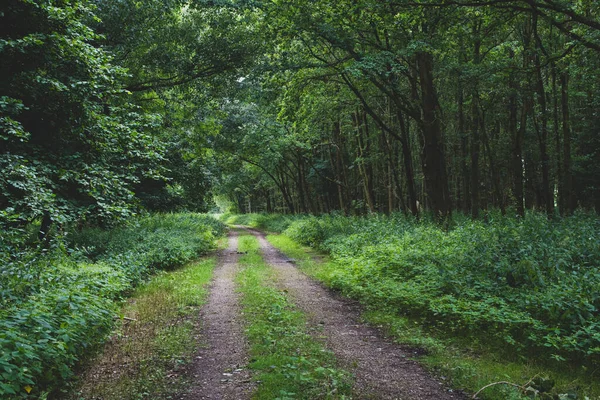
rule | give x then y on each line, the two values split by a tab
445	113
284	106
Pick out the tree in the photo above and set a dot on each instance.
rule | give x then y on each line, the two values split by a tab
73	146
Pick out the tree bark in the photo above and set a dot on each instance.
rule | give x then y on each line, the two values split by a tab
475	125
433	160
569	195
464	143
338	167
363	153
547	199
557	144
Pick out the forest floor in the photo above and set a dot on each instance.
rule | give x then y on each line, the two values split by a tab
381	369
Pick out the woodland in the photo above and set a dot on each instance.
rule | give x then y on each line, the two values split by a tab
446	153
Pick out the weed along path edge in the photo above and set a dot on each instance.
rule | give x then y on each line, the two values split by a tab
219	369
382	370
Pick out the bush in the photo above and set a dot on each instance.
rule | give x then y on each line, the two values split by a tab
530	283
59	303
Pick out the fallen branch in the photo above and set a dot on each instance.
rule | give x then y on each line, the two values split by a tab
520	387
496	383
126	318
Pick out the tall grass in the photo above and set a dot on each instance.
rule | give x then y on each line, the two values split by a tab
157	341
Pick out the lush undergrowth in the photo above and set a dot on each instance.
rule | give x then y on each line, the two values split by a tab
290	363
462	362
148	354
527	287
58	303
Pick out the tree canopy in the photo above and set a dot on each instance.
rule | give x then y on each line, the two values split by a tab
107	108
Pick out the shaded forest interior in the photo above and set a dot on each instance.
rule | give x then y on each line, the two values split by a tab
298	107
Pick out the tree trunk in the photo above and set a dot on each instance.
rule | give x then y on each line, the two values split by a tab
557	144
464	143
517	134
268	199
493	167
433	160
44	231
302	196
547	199
363	149
569	195
395	189
475	125
338	167
285	192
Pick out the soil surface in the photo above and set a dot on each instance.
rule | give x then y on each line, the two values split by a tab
219	369
383	369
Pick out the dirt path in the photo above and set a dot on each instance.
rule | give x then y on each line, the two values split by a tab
382	369
219	369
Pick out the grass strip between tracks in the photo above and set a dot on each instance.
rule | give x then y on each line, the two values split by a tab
291	363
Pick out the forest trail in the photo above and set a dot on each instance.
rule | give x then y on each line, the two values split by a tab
383	370
219	369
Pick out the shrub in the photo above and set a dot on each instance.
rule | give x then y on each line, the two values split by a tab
59	303
530	283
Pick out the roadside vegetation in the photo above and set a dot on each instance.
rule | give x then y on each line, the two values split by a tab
59	301
147	355
290	362
490	301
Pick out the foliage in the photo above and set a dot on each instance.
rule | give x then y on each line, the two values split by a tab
529	284
183	60
58	303
382	106
468	359
110	108
268	222
164	240
73	147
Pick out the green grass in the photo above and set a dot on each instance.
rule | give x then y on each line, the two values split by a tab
290	363
465	364
147	355
530	284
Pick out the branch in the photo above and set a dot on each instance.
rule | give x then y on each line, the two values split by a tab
369	110
571	34
494	384
314	168
520	387
529	6
172	81
279	184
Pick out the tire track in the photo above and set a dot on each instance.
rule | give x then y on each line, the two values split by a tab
219	370
383	370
